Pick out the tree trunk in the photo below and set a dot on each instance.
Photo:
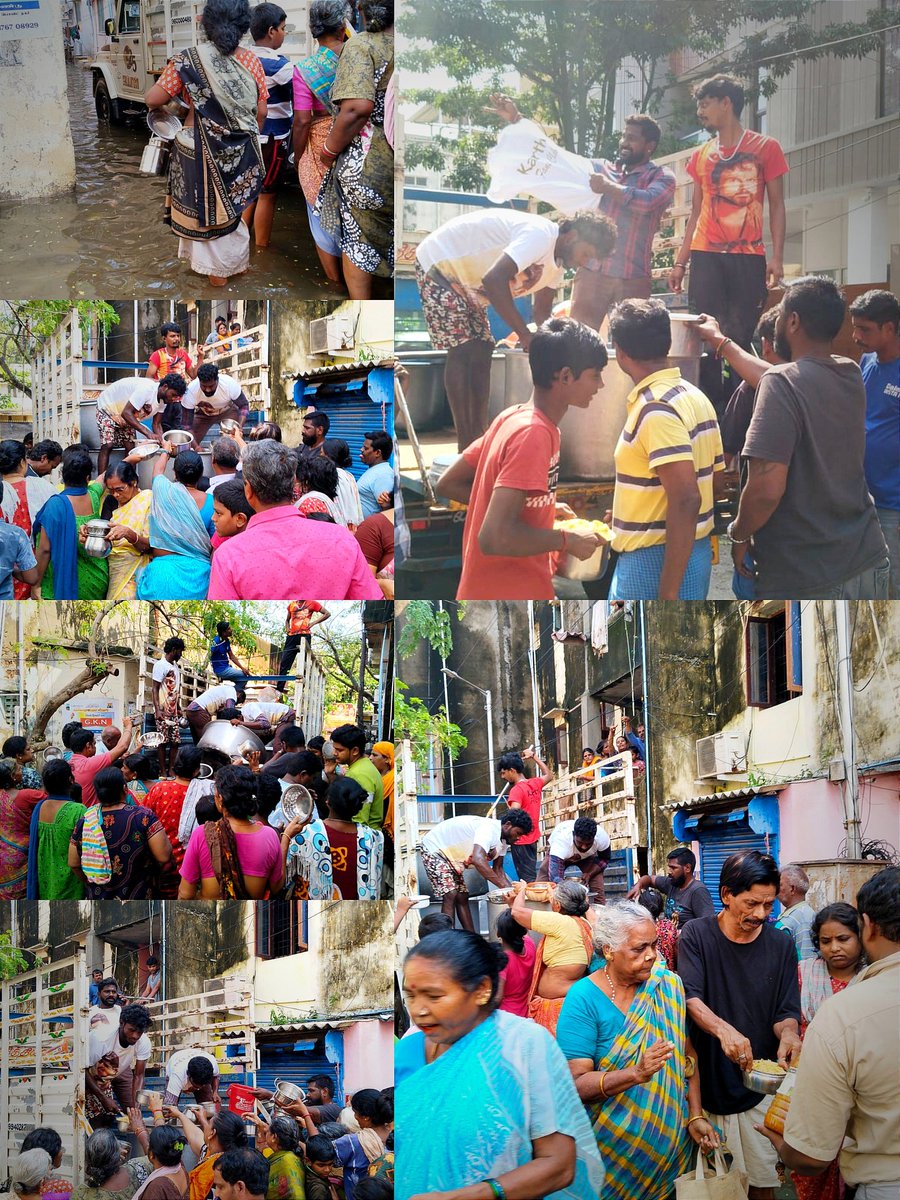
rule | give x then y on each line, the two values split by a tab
88	678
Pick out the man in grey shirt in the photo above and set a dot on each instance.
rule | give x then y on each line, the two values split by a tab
684	894
805	511
797	916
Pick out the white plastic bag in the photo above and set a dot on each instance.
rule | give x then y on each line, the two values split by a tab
526	162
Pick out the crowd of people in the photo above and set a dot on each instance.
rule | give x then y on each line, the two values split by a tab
812	436
654	1013
255	110
142	1143
117	821
196	531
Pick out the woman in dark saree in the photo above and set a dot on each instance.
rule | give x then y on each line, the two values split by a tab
356	200
216	170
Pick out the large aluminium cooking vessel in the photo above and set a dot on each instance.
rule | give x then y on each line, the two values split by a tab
223	741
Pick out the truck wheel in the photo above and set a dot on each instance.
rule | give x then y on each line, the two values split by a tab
107	108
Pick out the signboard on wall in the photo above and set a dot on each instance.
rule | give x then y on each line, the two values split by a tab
28	18
96	713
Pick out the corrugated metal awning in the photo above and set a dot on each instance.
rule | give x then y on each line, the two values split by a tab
355	368
730	795
316	1027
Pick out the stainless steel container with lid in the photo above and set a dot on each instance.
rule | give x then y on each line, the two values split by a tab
96	545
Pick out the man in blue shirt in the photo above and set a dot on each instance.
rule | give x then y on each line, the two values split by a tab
17	559
379	478
220	653
876	330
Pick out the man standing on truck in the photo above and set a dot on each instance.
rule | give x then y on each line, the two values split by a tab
171	358
211	398
525	793
129	1041
124	405
493	258
508	477
734	174
635	194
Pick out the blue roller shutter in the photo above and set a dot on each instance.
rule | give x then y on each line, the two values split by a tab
353	406
296	1060
721	837
617	878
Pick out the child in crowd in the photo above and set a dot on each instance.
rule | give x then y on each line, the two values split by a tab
231	512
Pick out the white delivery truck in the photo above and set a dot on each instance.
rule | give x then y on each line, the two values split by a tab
143	36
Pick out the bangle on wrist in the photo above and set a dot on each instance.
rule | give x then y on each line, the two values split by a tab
721	346
679	267
737	541
497	1188
326	149
691	1120
603	1092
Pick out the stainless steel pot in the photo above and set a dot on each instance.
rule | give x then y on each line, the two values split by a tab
155	159
177	437
96	545
287	1092
229	740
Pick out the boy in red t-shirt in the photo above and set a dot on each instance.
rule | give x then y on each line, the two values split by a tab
508	476
525	793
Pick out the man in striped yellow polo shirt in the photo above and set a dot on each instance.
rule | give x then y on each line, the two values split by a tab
666	459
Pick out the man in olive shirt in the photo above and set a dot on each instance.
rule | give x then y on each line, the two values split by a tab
845	1099
686	895
350	751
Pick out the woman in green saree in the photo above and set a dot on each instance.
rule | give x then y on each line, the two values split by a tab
65	571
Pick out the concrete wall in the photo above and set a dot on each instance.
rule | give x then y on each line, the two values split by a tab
38	158
812	816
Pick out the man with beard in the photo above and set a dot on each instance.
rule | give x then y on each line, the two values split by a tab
743	1001
171	358
211	398
805	510
315	430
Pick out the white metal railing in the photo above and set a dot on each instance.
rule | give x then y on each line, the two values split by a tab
247	364
42	1058
609	799
220	1021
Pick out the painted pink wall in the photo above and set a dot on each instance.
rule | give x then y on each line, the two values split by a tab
812	816
369	1055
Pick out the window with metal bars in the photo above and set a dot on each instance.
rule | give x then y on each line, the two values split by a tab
282	928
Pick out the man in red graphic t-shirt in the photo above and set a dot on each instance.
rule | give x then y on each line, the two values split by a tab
525	793
508	476
734	174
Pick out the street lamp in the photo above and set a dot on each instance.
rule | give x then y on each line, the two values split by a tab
488	712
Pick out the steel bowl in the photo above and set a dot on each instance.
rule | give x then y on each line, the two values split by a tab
762	1081
287	1092
163	124
147	450
152	740
230	426
230	740
585	568
178	437
298	801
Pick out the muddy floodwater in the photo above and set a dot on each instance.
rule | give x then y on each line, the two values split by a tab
108	240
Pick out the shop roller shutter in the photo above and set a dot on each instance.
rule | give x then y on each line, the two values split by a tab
717	842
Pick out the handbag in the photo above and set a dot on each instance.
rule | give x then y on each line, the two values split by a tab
725	1183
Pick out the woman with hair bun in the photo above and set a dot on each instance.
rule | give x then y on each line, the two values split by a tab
356	201
216	170
239	856
509	1110
23	497
313	110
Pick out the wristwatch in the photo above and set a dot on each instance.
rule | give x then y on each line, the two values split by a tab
730	534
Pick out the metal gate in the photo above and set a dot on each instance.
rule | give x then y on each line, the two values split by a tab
42	1060
724	835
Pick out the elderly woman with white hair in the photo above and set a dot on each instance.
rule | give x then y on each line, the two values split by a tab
27	1171
623	1030
565	951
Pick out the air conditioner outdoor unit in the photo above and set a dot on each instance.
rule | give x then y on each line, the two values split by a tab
721	754
331	335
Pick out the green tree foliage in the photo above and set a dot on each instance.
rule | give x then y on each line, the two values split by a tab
424	729
424	621
570	55
25	326
12	960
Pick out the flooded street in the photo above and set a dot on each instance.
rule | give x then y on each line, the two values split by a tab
108	240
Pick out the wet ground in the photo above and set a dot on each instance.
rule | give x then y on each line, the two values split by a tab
108	240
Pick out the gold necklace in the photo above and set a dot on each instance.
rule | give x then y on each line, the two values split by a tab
612	986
